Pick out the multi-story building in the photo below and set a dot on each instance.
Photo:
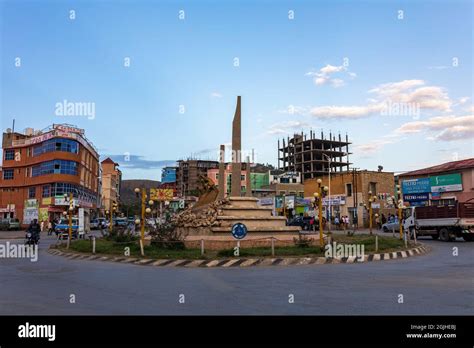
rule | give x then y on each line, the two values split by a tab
111	183
349	191
168	175
313	157
443	184
257	180
41	167
187	175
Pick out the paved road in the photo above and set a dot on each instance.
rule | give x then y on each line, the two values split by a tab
436	283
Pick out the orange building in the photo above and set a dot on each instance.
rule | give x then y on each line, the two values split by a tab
41	167
111	182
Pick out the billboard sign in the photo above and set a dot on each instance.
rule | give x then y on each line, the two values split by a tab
161	194
421	185
416	197
446	183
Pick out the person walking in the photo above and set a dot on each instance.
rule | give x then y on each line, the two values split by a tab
50	228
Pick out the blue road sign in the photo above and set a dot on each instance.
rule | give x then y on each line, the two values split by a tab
239	230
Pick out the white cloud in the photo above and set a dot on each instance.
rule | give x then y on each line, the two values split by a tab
445	128
287	127
337	83
325	75
295	110
216	95
406	97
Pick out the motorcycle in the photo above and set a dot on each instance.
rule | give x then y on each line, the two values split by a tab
32	238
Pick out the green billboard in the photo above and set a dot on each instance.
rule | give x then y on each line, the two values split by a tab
446	183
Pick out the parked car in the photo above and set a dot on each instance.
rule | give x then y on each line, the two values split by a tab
62	228
117	222
9	224
94	224
301	221
390	226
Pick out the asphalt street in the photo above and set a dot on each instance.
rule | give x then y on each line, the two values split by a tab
435	283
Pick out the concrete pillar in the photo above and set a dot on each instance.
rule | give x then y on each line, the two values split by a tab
221	180
236	152
248	191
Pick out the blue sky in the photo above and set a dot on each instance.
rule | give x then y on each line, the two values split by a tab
292	76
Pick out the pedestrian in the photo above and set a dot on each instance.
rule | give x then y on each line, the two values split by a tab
336	222
384	219
42	226
50	227
377	222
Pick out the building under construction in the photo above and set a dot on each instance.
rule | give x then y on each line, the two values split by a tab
312	156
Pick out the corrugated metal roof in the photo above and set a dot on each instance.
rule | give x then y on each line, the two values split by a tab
441	168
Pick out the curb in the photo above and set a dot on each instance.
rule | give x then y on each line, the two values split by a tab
244	262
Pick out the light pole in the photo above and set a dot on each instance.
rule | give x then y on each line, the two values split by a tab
400	208
329	190
318	201
70	200
371	200
144	210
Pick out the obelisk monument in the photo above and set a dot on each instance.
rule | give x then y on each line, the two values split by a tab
236	152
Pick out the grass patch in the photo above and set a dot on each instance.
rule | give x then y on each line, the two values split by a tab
386	244
111	248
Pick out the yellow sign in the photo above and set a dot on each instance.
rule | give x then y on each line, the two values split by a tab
161	194
43	214
47	201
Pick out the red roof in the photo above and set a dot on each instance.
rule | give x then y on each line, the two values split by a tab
108	160
441	168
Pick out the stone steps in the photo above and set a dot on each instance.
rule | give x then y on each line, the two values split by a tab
252	221
257	230
243	202
247	212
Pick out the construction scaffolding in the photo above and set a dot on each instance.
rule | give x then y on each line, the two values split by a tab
312	156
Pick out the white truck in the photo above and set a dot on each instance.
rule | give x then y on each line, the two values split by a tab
443	222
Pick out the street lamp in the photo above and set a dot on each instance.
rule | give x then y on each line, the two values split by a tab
144	210
372	199
400	207
318	201
69	199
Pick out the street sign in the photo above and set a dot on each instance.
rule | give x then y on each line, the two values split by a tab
239	230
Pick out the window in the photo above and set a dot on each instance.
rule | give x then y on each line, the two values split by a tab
9	155
65	145
242	177
349	190
373	188
217	176
46	191
8	174
55	167
31	192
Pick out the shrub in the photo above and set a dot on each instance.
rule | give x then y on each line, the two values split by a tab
121	234
167	236
303	241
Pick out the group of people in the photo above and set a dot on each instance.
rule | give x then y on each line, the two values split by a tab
48	226
342	222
